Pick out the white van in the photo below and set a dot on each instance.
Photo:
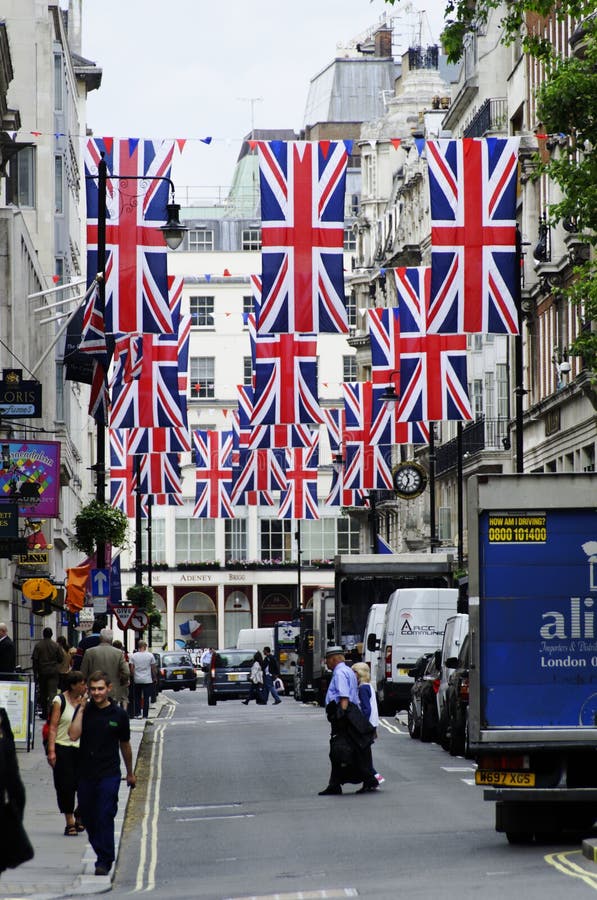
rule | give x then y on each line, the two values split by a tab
255	639
414	624
372	645
454	634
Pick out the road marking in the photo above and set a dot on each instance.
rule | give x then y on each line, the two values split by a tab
567	866
212	818
458	768
203	806
390	727
303	895
148	844
470	781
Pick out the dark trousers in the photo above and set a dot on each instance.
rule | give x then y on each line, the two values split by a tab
98	805
47	687
66	776
145	691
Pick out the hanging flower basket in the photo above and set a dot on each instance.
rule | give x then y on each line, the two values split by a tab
99	522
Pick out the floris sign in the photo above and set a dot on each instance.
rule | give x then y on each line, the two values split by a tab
19	398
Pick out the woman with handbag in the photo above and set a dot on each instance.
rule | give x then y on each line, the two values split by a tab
15	846
256	679
63	753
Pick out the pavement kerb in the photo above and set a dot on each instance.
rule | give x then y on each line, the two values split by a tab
51	874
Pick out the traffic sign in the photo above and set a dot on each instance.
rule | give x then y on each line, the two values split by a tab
140	620
100	582
124	614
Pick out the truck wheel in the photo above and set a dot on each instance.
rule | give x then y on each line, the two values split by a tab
519	837
413	725
428	729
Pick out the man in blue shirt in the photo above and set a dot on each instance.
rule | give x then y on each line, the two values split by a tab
343	690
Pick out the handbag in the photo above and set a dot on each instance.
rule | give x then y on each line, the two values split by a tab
15	847
279	685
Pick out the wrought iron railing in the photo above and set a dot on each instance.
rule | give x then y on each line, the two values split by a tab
482	434
492	116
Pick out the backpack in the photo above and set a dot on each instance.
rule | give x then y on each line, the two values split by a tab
45	730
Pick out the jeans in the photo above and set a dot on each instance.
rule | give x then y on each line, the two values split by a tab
268	688
145	691
98	805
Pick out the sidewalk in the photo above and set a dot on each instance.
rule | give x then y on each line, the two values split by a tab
62	866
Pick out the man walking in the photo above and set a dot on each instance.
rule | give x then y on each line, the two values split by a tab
270	670
108	659
103	728
144	674
349	755
46	657
7	651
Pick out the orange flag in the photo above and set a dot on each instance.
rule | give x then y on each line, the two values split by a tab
76	587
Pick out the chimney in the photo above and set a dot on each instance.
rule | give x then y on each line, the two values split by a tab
383	42
74	26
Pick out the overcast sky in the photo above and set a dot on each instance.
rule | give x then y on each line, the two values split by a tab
179	68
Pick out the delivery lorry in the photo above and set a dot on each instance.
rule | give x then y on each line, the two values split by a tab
316	634
285	650
533	673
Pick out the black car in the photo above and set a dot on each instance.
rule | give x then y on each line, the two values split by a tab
422	707
228	675
176	671
457	699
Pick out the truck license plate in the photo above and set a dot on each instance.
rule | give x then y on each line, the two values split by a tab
505	779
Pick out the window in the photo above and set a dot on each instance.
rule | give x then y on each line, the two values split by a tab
325	538
58	185
248	305
476	395
247	371
349	368
276	540
251	239
202	311
158	541
235	531
201	240
202	376
58	83
351	309
501	380
195	540
475	342
20	189
445	523
350	239
489	395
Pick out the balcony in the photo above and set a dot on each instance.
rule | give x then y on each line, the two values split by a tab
491	117
482	434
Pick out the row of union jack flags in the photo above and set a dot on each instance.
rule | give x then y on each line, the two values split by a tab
419	346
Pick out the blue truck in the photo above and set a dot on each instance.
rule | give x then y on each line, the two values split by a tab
533	680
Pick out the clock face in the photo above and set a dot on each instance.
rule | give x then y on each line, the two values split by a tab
410	480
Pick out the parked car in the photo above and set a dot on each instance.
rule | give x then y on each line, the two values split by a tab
176	671
422	707
454	634
228	676
457	699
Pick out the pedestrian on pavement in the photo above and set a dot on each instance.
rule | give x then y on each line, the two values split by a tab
7	651
65	665
351	734
63	753
110	660
256	679
368	704
92	639
270	670
144	670
205	663
103	728
125	702
47	657
15	847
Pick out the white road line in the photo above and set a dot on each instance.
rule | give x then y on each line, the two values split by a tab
139	882
469	781
213	818
203	806
156	806
458	768
304	895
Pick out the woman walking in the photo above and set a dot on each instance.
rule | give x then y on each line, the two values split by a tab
368	704
63	754
256	679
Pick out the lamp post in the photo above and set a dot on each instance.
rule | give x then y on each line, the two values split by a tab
173	232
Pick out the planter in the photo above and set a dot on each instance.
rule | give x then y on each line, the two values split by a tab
99	523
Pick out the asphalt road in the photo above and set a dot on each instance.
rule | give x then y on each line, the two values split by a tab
227	807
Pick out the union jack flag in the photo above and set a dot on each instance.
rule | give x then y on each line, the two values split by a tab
299	500
213	460
122	476
341	496
160	474
286	380
93	342
280	436
145	389
367	465
135	276
473	235
334	423
260	470
302	212
433	373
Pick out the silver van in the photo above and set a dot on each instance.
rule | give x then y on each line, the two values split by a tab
454	634
372	638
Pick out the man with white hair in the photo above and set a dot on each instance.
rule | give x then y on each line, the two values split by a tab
7	651
110	660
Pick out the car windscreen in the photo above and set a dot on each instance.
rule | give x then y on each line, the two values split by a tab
232	659
175	659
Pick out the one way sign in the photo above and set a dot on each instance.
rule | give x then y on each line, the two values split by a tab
124	614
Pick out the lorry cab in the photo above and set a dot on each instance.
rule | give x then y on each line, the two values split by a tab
414	624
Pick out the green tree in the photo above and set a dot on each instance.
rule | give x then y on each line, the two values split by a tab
566	105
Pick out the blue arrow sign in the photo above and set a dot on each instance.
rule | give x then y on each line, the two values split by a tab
100	582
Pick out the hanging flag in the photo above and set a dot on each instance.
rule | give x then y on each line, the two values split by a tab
341	496
433	371
77	580
160	474
136	200
299	500
280	436
145	391
475	271
213	452
122	476
367	465
382	545
302	237
259	470
286	380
